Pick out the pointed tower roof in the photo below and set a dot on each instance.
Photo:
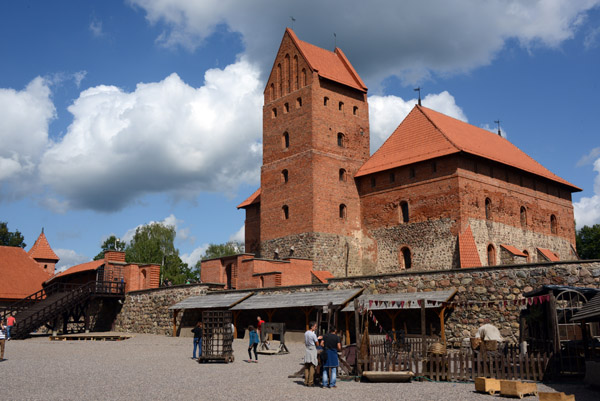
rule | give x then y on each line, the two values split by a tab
332	65
42	250
426	134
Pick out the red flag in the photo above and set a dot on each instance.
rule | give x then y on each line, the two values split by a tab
393	303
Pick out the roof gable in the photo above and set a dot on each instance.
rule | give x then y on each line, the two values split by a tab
21	275
88	266
425	134
252	199
42	250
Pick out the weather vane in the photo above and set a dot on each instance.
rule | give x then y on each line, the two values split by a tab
334	40
419	90
498	122
293	20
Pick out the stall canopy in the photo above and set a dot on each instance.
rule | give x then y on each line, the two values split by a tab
298	300
403	300
212	301
590	311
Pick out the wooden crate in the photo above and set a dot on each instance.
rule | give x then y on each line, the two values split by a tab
487	385
516	388
556	397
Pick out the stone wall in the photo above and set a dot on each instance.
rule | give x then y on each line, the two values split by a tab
148	311
481	284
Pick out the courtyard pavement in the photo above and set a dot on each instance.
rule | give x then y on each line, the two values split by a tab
150	367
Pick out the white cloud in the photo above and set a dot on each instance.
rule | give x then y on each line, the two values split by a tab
406	39
494	130
163	137
589	158
587	210
24	119
239	235
387	112
193	257
96	28
69	258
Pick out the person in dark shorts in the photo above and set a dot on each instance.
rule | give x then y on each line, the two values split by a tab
331	344
253	343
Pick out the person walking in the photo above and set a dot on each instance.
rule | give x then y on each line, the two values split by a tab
197	340
10	322
2	339
253	343
332	344
310	356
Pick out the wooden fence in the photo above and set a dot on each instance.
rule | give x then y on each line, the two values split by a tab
458	365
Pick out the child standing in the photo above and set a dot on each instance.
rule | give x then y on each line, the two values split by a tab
253	343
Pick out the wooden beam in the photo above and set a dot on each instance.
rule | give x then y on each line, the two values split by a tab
423	328
347	315
442	325
175	313
356	322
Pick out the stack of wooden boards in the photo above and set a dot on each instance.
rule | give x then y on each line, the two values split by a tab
515	388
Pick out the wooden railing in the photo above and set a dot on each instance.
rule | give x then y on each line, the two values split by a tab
460	365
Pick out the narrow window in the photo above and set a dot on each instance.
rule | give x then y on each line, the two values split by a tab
299	102
286	108
488	208
392	177
304	80
523	217
434	167
412	173
342	174
406	258
285	140
526	252
553	224
296	71
373	182
325	101
284	176
355	110
279	81
288	72
286	212
342	211
404	217
341	106
340	140
491	254
274	112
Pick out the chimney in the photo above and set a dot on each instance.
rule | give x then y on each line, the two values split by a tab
114	256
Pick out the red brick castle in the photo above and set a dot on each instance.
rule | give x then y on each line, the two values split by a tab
438	194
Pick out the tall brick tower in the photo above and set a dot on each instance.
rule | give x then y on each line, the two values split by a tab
315	138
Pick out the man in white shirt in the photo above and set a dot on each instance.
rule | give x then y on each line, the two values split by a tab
489	332
310	357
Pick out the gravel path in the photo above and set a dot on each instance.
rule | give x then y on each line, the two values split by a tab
149	367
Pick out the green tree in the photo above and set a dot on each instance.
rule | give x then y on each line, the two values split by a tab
588	242
111	243
218	250
8	238
154	243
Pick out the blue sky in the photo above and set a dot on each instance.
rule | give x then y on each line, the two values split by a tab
114	114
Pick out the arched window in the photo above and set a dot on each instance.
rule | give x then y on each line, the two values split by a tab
526	252
342	174
404	217
284	176
342	211
491	255
279	81
341	140
325	101
355	110
553	224
523	217
285	140
304	81
262	281
286	108
285	212
299	102
341	106
288	72
274	112
406	258
296	72
488	208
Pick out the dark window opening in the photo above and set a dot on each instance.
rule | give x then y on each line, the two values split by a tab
325	101
274	112
286	212
284	176
299	102
342	174
340	140
404	217
342	211
341	106
406	258
286	140
488	208
286	108
355	110
491	254
553	224
523	216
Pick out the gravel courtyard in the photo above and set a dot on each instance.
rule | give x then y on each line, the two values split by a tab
149	367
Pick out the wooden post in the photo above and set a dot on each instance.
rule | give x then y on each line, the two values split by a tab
347	315
554	325
86	317
319	317
236	314
307	316
270	315
356	323
175	313
423	328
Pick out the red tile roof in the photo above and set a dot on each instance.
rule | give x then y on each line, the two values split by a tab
322	275
515	251
330	65
467	249
93	265
20	275
252	199
42	250
548	254
426	134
